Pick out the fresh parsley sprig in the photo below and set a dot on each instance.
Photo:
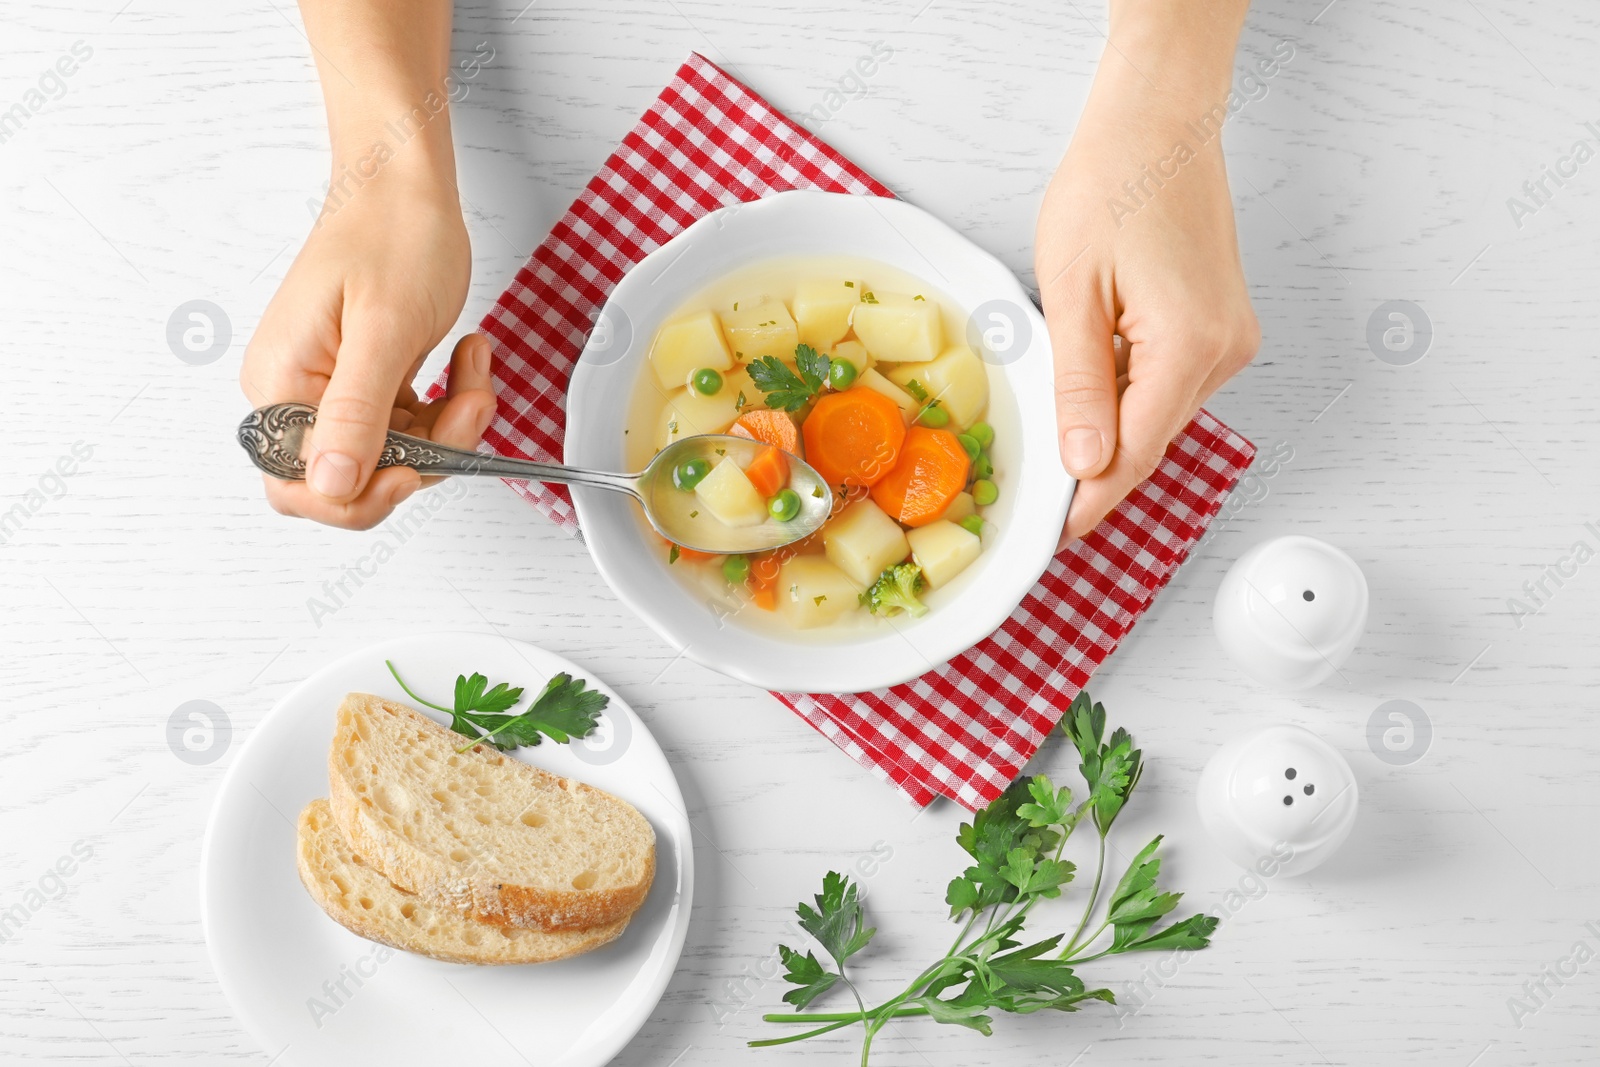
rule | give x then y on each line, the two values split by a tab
838	925
1112	768
785	390
1015	846
566	708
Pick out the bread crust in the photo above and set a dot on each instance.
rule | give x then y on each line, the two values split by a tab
453	884
318	836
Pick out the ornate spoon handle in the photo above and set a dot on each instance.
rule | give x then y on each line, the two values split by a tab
274	437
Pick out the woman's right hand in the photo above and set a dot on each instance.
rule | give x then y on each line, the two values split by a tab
378	284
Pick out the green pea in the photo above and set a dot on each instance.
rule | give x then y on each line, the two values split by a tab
972	445
736	569
984	493
934	417
983	465
706	382
841	374
690	473
982	433
784	506
973	524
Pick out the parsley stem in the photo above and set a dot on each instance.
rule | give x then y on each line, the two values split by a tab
1088	910
860	1004
866	1042
834	1020
770	1041
894	1007
486	736
412	695
962	936
1086	942
846	1017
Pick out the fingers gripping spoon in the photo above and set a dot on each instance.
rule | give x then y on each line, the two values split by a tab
275	437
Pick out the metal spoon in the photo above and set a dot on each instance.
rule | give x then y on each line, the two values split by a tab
275	436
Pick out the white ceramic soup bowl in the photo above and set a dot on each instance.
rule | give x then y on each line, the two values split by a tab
1004	328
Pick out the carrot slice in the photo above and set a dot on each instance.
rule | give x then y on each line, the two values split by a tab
854	437
688	553
769	472
931	472
773	427
763	581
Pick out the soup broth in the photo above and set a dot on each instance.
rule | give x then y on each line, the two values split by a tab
864	372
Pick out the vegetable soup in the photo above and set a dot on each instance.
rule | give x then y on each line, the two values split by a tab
863	372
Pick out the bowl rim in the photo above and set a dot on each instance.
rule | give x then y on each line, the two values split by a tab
1019	553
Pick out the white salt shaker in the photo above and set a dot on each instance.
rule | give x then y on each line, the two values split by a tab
1278	799
1290	611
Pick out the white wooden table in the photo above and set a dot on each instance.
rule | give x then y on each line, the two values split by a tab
176	164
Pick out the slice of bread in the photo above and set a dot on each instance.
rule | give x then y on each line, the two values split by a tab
362	900
479	831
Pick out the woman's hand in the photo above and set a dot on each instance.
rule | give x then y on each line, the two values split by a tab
1136	241
383	276
378	284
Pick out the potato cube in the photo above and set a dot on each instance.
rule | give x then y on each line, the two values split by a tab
741	393
909	405
822	310
943	550
957	379
761	329
959	508
899	329
813	592
684	346
856	353
862	541
674	424
727	493
688	413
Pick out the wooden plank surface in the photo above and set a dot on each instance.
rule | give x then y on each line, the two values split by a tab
177	164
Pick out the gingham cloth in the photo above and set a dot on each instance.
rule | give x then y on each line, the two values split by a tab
966	729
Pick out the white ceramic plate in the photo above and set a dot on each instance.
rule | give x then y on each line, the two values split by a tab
1004	327
282	962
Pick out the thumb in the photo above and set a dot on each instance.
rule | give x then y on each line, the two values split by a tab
353	416
1086	386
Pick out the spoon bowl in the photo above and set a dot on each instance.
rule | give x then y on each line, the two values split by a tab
680	517
275	438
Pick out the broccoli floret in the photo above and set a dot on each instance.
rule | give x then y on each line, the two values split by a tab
896	590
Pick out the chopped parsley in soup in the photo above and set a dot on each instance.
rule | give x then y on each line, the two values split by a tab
865	374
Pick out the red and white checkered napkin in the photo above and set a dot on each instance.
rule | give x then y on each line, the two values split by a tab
964	730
